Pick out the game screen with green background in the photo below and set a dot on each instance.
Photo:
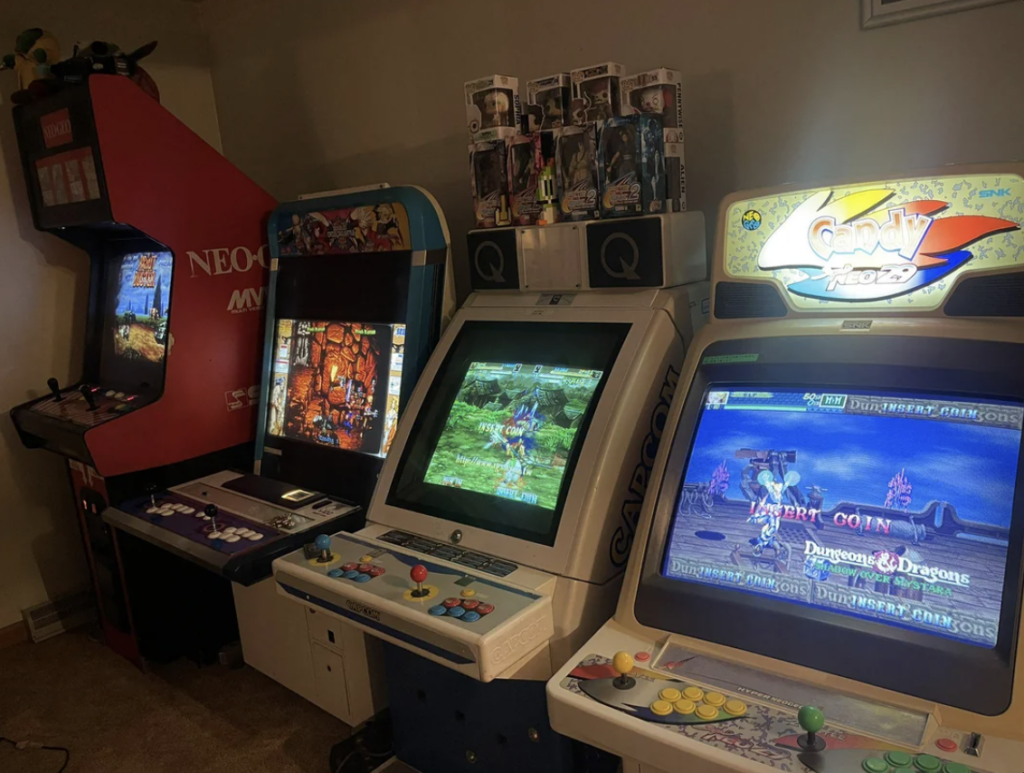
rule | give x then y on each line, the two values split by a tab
511	429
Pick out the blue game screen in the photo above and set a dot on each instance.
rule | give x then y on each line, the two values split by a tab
895	507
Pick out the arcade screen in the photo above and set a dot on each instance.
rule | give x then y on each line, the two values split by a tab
502	426
337	384
510	430
885	506
135	324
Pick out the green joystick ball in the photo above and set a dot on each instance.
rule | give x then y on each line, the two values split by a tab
811	720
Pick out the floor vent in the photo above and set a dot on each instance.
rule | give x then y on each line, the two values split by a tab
60	615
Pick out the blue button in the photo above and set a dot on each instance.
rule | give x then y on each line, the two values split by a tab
335	573
471	616
439	610
351	574
456	612
362	577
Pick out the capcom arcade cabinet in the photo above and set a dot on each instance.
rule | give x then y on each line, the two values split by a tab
828	578
354	308
503	517
167	222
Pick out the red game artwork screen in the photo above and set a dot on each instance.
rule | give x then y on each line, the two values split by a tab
337	384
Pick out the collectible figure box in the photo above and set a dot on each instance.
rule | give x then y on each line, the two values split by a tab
524	166
492	107
595	92
549	101
631	160
576	160
489	176
658	92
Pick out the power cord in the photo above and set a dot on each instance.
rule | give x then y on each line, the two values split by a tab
26	745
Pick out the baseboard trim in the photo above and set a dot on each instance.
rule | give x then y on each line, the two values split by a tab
15	633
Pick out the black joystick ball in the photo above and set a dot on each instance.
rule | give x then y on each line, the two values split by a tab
90	400
212	511
811	719
54	386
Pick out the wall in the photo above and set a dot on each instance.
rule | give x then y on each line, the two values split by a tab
321	94
44	285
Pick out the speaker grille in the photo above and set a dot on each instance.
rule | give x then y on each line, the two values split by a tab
740	300
1001	295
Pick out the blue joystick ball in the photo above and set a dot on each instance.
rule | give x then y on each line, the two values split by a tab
322	542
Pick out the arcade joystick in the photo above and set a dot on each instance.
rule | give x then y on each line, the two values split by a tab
86	391
213	511
55	388
623	664
323	544
151	490
419	576
811	719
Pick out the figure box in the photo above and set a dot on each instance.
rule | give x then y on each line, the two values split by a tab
658	92
549	102
631	160
488	166
492	107
595	92
578	181
524	166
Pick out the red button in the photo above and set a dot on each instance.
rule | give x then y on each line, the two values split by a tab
485	609
643	657
451	603
470	603
947	744
365	568
348	567
376	571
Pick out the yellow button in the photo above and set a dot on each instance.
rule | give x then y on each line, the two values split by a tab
365	559
468	593
661	708
693	693
735	707
715	699
622	663
670	694
684	707
705	711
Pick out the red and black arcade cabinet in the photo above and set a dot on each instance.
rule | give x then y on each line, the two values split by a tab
175	237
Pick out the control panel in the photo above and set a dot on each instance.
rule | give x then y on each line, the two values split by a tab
86	406
610	696
454	614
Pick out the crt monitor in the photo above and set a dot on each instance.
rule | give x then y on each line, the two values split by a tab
498	438
849	506
336	384
134	323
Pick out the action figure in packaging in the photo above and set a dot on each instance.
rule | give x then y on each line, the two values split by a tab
658	92
492	107
550	99
576	160
631	161
523	170
489	176
595	92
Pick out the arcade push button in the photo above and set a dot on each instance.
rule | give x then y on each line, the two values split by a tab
362	577
670	694
451	603
955	767
438	610
704	711
364	568
348	567
376	571
926	763
471	616
365	559
898	759
684	706
715	699
693	693
642	657
947	744
661	708
469	604
351	574
735	708
485	609
456	611
335	572
468	593
875	765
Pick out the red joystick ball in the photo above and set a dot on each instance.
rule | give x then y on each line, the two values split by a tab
418	575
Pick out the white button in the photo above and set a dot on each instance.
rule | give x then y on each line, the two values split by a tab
245	533
256	537
232	538
206	517
119	395
187	510
165	514
230	530
153	510
214	535
166	511
109	393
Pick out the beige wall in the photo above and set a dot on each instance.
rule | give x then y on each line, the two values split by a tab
323	94
43	284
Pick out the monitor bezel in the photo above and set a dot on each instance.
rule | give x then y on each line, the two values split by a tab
944	670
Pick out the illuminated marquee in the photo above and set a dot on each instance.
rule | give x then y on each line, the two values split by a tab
880	242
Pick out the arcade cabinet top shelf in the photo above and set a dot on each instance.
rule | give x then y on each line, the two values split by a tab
938	243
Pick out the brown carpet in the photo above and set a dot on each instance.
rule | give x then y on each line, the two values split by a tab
70	691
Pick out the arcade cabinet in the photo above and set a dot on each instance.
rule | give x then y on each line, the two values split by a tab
828	577
355	305
498	532
167	223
